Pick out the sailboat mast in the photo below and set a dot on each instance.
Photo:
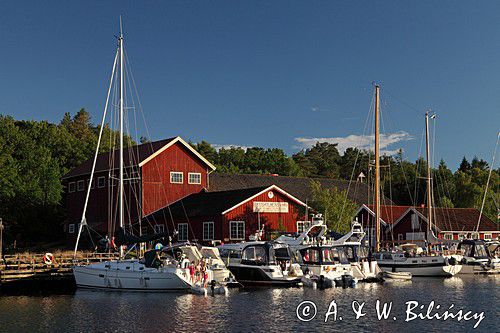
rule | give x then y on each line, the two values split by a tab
429	178
121	132
377	171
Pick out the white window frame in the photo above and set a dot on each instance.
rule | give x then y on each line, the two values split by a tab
99	182
176	173
302	225
71	228
194	174
448	236
231	223
210	237
461	236
475	235
180	235
159	228
80	185
71	185
487	236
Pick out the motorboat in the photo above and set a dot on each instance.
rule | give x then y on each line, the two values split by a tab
477	258
262	263
321	254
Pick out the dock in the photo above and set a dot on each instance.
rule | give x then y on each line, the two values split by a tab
34	267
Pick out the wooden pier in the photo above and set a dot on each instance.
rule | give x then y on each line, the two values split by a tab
34	267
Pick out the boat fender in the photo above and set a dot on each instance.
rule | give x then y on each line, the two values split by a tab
446	261
463	261
452	261
48	258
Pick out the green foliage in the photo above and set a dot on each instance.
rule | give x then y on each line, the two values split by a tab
338	210
34	155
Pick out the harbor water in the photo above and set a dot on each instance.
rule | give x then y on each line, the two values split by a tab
259	309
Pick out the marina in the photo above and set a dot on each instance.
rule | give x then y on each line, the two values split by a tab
106	226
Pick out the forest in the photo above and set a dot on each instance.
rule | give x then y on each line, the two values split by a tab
34	155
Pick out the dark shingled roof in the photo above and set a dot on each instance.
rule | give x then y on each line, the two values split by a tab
132	156
299	187
208	203
458	219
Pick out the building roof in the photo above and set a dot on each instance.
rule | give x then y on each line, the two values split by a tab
388	213
132	156
445	219
299	187
459	219
216	203
208	203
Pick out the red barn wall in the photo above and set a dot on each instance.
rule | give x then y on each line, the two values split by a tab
158	192
272	220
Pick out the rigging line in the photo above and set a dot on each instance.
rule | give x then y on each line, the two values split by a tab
488	182
355	162
83	220
148	134
417	169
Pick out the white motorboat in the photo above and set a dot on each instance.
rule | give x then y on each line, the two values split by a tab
477	258
320	255
259	262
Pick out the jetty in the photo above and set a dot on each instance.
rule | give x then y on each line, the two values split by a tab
36	267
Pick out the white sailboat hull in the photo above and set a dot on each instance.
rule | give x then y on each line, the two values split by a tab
421	266
116	276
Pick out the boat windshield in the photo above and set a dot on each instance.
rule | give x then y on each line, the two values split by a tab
333	256
256	254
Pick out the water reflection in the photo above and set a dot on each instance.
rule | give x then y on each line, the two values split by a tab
259	309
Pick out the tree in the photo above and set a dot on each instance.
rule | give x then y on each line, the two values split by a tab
336	207
464	166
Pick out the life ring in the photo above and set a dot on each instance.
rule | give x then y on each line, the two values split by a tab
48	258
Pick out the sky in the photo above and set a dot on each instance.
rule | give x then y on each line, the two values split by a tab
267	73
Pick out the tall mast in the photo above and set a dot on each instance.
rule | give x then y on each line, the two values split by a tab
377	171
429	178
120	39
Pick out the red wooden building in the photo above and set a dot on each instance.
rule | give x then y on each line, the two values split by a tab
407	223
169	185
156	174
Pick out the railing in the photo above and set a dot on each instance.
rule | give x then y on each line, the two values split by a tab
36	266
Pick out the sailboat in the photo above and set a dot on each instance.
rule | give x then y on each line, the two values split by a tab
409	258
160	269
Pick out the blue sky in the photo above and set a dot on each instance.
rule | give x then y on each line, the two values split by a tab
266	73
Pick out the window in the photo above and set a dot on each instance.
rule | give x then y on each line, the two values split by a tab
448	236
461	236
159	228
302	226
71	187
176	177
208	231
71	228
237	230
101	182
310	255
183	231
91	185
194	178
400	237
487	237
81	185
254	253
475	235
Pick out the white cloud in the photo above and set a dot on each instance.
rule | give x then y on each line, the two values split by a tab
229	146
359	141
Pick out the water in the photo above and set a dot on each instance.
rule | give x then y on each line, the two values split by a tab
257	309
